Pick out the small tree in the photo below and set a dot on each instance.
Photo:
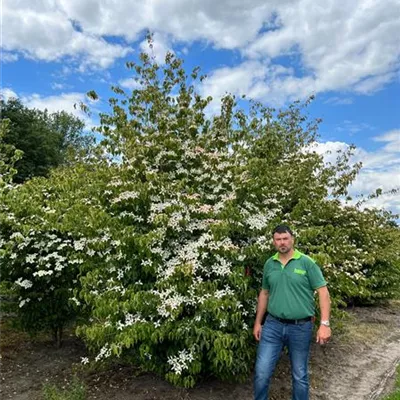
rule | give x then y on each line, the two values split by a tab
41	223
197	198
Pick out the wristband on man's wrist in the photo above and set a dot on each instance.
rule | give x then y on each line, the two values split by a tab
325	323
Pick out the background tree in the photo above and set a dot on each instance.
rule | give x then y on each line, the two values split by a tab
9	155
47	140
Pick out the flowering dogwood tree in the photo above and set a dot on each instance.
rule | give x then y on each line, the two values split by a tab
198	197
160	249
41	223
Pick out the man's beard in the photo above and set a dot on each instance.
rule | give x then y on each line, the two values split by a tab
284	250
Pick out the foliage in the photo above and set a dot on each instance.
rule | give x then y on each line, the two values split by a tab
161	248
47	140
8	157
38	254
358	250
76	391
199	197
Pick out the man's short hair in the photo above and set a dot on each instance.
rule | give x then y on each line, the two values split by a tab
282	229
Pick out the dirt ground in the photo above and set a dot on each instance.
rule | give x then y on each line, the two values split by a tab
357	364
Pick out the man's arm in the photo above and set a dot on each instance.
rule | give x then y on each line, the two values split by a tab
324	332
261	310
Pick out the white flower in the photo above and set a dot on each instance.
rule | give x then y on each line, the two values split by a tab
181	361
79	244
170	304
26	284
84	360
105	352
17	235
23	302
115	182
157	324
43	272
125	196
222	268
76	301
257	221
30	258
59	267
224	292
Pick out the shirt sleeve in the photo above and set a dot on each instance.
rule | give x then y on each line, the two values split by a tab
265	283
315	276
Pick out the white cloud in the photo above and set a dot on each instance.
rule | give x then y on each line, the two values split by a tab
369	180
239	80
60	86
351	127
329	150
349	46
7	93
161	44
228	24
372	84
9	57
63	102
129	83
387	201
258	80
392	138
48	30
343	45
68	102
336	101
41	31
381	169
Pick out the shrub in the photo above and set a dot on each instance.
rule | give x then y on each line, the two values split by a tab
167	240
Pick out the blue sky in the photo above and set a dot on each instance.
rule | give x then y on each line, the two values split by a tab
347	53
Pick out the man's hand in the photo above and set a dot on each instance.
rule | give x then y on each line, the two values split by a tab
323	334
261	309
257	331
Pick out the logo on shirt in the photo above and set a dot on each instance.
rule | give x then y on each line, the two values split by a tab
300	271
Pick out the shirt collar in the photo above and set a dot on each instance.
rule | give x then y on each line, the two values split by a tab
296	255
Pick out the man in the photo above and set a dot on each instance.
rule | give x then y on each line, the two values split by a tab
289	281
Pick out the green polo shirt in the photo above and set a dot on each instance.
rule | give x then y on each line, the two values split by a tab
291	287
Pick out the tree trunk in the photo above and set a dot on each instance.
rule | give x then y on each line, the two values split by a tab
57	336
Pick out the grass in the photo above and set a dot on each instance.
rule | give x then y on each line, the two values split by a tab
396	394
363	332
76	391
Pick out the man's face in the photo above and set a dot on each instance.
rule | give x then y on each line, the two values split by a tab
283	242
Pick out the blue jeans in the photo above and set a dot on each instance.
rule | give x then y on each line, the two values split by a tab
274	336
